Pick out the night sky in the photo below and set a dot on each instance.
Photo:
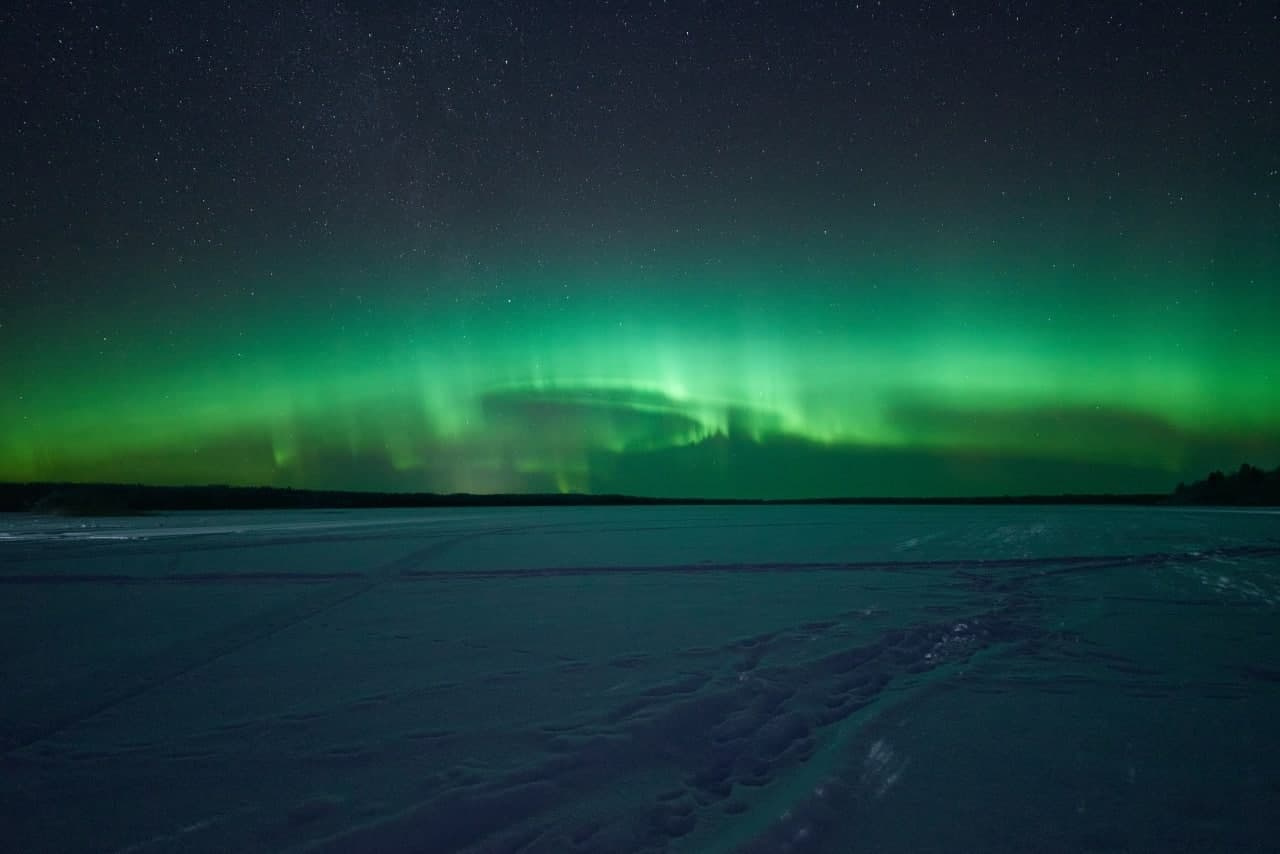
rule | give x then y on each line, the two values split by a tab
717	249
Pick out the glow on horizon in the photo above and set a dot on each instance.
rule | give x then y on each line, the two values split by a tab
457	400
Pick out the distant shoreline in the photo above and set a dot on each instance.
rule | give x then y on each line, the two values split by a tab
1248	487
81	499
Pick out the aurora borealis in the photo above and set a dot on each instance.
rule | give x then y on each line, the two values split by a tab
665	249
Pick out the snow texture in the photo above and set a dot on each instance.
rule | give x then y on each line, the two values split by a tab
753	679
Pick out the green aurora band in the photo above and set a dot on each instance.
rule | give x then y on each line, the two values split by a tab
792	374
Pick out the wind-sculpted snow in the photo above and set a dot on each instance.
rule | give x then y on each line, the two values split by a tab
418	683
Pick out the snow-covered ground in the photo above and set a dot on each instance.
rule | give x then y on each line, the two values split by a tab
802	679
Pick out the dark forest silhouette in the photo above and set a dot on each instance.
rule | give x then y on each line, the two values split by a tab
1249	485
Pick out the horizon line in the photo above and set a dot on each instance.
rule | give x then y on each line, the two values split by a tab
588	498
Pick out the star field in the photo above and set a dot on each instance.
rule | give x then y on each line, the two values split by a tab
771	249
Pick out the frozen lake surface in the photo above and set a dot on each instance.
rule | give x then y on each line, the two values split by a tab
702	679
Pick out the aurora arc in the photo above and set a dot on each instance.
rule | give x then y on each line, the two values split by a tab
698	378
